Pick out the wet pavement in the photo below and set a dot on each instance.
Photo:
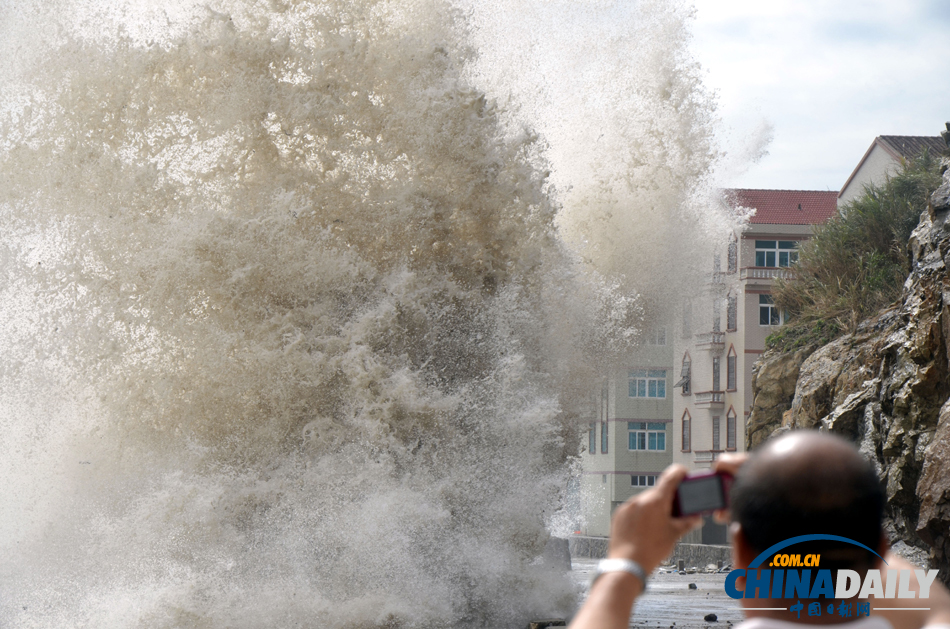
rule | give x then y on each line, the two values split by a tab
669	602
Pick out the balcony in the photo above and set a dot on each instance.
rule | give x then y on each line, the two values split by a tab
711	341
765	273
709	399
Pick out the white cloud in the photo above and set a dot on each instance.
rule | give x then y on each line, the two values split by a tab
829	77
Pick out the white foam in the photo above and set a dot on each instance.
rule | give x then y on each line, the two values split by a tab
290	335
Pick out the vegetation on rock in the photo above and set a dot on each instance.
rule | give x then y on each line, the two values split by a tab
857	262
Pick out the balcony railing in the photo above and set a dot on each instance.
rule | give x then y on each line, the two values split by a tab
702	456
709	397
711	338
765	273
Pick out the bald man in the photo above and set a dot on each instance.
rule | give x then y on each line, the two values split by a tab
803	482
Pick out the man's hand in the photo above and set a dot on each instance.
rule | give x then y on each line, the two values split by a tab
730	464
643	528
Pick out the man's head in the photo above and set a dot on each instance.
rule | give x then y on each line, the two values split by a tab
809	482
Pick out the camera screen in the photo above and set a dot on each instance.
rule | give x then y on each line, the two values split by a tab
702	494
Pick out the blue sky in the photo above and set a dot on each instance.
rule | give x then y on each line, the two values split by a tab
823	78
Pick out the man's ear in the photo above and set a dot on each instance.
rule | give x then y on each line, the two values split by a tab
742	553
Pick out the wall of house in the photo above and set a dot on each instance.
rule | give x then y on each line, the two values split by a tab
874	169
746	354
754	334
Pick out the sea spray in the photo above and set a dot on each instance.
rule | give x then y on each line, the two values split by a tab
290	336
297	300
615	91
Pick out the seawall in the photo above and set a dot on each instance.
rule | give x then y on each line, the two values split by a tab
692	555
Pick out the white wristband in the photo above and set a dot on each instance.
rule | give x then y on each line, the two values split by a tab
621	565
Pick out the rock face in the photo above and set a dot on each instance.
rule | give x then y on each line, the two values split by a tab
773	380
886	387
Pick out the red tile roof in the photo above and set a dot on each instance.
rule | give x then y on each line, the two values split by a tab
785	207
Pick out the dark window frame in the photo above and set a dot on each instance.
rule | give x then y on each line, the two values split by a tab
731	421
643	434
687	373
773	254
652	380
642	480
769	314
686	430
732	313
731	370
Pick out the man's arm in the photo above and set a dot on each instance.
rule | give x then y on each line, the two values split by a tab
644	530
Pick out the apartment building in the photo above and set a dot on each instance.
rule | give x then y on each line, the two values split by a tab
630	441
705	360
724	329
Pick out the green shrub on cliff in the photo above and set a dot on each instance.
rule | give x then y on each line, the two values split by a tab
857	261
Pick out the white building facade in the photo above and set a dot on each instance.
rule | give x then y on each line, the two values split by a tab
724	330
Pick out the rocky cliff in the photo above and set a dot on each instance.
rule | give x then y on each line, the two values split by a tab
887	388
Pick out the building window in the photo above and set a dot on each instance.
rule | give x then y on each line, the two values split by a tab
646	436
603	478
684	375
643	480
715	374
731	313
768	313
733	261
657	337
717	264
731	430
592	438
648	383
731	369
773	253
717	315
715	433
686	431
603	437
